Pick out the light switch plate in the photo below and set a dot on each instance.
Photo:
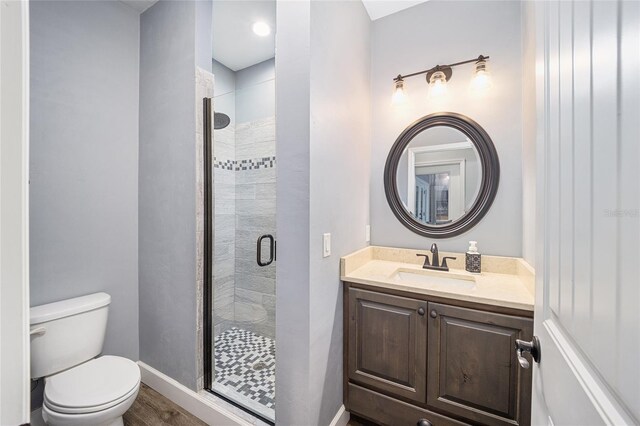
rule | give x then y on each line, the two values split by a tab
367	233
326	245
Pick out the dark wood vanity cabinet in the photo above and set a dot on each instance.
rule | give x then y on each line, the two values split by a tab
389	338
411	359
472	367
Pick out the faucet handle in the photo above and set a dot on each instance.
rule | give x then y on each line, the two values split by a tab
444	261
426	260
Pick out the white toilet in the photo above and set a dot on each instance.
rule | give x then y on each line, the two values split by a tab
80	387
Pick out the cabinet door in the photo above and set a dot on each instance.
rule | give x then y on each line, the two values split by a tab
387	343
473	371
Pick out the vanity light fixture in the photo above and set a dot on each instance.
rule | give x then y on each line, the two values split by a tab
399	95
437	84
481	80
438	76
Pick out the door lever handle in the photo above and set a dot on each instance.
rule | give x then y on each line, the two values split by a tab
533	347
38	331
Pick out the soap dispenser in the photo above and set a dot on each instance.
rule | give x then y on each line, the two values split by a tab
472	258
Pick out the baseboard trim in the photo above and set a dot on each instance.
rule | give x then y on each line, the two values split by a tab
204	409
341	418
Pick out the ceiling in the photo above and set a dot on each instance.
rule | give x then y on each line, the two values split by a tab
139	5
381	8
234	43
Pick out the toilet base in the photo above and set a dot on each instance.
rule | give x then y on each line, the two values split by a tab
114	422
109	417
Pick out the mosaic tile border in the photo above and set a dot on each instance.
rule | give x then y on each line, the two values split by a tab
250	164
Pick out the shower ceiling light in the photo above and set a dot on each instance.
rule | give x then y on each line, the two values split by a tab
261	29
438	76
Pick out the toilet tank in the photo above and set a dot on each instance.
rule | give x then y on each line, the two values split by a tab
67	333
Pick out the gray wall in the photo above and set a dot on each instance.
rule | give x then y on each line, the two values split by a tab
255	92
340	171
444	32
319	141
84	159
167	232
225	78
204	33
224	99
292	215
529	122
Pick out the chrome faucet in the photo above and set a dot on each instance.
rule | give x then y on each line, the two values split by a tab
435	260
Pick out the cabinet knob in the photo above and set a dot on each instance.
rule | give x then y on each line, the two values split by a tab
420	311
424	422
433	313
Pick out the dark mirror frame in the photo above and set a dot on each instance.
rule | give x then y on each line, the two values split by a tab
488	185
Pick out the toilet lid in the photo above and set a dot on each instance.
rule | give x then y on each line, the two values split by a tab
94	384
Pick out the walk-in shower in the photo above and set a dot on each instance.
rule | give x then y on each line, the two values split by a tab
242	188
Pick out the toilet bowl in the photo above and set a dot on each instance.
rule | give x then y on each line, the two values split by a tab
81	388
97	392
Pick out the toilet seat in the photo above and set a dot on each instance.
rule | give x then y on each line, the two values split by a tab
94	386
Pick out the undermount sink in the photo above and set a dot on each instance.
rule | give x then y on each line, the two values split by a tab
435	279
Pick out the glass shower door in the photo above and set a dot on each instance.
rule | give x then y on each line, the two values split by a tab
243	191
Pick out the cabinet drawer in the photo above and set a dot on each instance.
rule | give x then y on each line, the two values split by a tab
473	370
388	343
385	410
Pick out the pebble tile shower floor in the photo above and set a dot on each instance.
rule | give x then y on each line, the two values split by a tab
244	371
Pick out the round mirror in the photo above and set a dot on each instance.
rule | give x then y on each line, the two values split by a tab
442	175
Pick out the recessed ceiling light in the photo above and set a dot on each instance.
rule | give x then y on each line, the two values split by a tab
261	28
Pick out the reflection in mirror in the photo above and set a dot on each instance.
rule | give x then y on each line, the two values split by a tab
439	176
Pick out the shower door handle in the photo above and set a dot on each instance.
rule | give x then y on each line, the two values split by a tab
272	250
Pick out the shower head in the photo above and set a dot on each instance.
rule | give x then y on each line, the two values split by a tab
220	120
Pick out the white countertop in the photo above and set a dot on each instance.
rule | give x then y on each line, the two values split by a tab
504	281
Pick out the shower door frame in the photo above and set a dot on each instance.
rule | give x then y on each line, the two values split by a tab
207	293
207	253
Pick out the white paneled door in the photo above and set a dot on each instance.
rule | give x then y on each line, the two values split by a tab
588	255
14	213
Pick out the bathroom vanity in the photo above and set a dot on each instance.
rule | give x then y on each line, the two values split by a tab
436	348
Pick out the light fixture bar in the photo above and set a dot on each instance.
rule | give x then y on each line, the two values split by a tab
440	67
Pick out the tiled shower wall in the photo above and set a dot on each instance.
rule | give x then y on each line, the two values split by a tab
245	207
255	184
224	229
244	198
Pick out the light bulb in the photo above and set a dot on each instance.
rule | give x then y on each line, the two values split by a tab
481	81
261	29
399	96
437	84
